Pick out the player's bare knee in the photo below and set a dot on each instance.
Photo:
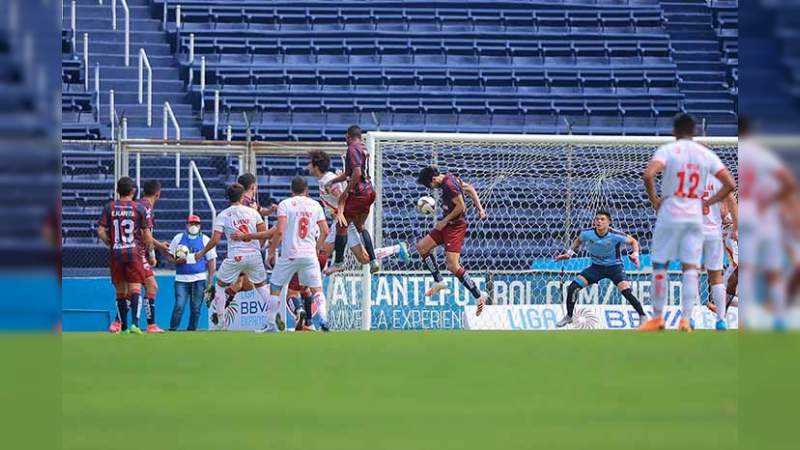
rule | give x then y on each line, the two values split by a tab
453	266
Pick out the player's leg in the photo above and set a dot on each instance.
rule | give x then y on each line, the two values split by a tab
713	258
309	273
732	288
664	248
691	254
584	279
270	292
134	294
358	250
227	275
151	290
121	294
624	287
339	244
425	248
453	260
772	260
366	240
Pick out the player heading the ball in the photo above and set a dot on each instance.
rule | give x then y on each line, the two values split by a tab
450	231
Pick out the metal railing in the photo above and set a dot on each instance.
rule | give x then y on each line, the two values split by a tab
73	23
86	61
112	112
216	113
169	115
202	86
191	59
144	61
127	30
97	89
194	172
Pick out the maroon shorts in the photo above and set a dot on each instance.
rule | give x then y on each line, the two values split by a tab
452	236
358	205
148	270
127	272
294	284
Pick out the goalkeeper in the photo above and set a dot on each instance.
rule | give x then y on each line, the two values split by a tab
604	244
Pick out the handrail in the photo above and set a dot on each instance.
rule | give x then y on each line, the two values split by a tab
191	59
112	112
73	23
114	15
86	61
193	171
127	32
143	60
202	86
97	89
216	113
170	115
178	17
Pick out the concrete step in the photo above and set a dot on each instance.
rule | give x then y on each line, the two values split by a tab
139	37
135	109
130	84
156	133
132	72
116	58
123	97
95	23
95	10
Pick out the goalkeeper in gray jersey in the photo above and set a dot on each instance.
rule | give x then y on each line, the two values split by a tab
604	245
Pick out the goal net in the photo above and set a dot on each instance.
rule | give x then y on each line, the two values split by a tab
539	192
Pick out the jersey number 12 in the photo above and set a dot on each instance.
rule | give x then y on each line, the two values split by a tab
694	182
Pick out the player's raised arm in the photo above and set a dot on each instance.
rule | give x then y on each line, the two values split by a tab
576	243
476	200
215	238
655	167
634	254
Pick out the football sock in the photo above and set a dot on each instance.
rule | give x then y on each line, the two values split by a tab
628	294
367	240
466	280
430	263
136	309
219	305
122	310
659	290
690	292
339	245
572	289
718	296
307	304
273	303
777	294
150	310
322	306
119	313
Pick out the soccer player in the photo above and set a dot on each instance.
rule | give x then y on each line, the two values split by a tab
714	248
450	231
765	183
124	228
354	202
319	167
603	244
151	193
678	233
300	233
242	258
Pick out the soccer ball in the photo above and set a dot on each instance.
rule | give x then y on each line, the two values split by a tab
426	205
181	252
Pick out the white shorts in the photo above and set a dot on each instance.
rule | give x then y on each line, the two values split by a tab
353	237
250	264
765	252
678	242
713	252
306	267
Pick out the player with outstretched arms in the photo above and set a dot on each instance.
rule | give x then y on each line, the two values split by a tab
603	244
678	234
450	231
300	233
124	227
714	249
354	202
244	257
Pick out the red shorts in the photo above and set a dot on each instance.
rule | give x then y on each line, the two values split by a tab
452	236
294	284
127	272
358	205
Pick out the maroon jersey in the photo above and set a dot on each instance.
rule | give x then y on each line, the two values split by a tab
451	188
357	157
251	202
148	207
125	220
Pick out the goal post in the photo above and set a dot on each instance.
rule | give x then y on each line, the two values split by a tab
539	192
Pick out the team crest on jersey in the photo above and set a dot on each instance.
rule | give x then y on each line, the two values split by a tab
237	258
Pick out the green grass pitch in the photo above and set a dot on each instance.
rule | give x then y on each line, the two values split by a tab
401	390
